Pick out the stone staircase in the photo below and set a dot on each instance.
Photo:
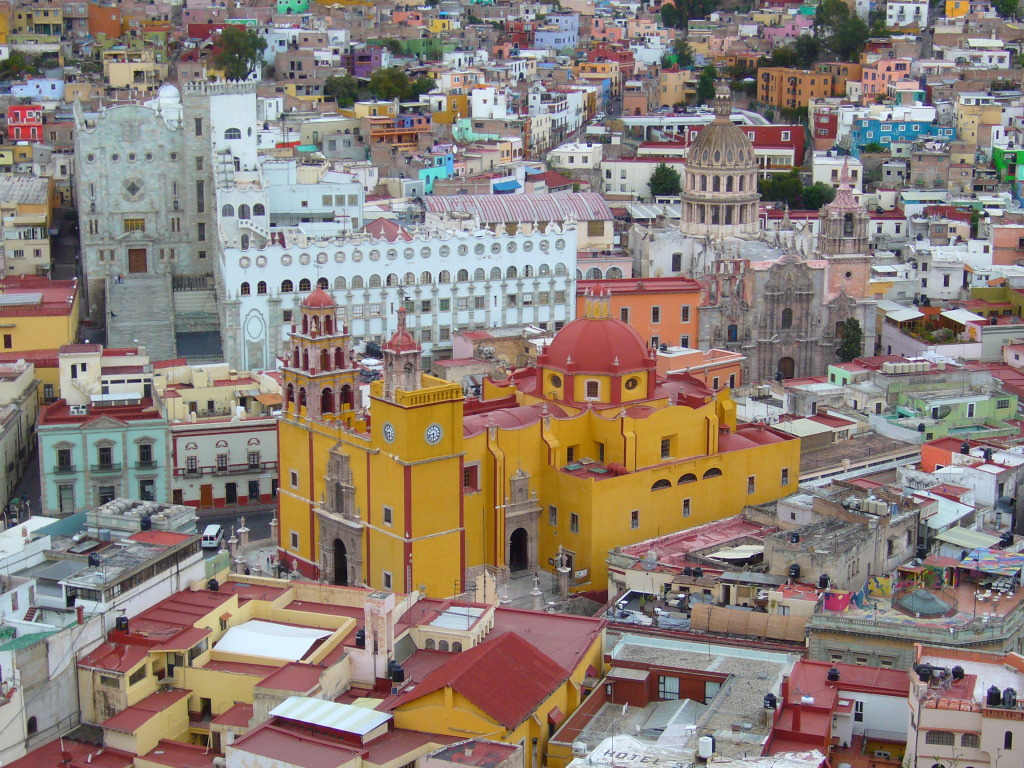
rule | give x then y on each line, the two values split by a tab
30	614
140	312
195	311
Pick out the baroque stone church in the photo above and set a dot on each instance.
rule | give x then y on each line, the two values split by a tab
775	297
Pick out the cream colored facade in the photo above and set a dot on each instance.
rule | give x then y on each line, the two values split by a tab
19	407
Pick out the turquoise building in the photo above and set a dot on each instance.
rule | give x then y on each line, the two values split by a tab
92	454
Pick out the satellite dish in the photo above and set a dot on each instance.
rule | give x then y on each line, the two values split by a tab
944	411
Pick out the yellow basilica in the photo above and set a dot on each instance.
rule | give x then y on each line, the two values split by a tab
557	464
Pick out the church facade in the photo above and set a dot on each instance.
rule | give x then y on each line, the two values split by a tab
419	488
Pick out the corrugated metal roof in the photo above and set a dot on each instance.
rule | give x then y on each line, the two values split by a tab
328	714
966	538
529	207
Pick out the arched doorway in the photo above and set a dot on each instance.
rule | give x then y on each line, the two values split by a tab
518	551
340	563
786	367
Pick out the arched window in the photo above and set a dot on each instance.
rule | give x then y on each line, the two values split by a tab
462	276
357	281
302	396
614	273
716	184
243	211
703	182
305	323
327	399
392	279
713	472
321	282
732	333
512	272
848	225
971	740
1008	740
227	210
429	644
289	392
593	273
456	647
495	273
328	325
444	277
409	279
32	726
304	284
325	360
743	180
544	270
787	318
232	133
286	286
426	278
259	210
528	270
340	283
244	242
339	363
940	738
689	477
295	357
305	366
661	485
261	288
244	291
728	183
479	274
443	646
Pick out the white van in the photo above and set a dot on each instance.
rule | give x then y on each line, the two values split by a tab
213	535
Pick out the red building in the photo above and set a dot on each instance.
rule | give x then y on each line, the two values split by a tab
25	122
824	119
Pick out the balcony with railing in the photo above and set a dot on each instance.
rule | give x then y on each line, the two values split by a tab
242	468
64	469
106	466
150	464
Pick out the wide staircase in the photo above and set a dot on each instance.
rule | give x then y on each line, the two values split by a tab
140	312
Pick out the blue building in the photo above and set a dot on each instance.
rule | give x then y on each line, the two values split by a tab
92	454
868	130
438	165
560	30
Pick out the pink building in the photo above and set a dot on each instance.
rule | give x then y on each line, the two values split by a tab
876	77
788	30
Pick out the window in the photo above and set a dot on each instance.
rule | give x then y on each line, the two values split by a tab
295	540
655	314
1007	740
294	478
940	738
971	740
668	688
634	519
387	580
471	478
684	314
231	134
201	232
387	515
593	390
1002	404
666	447
787	318
9	342
858	711
200	196
751	483
553	516
137	676
199	132
222	462
109	681
970	410
784	480
574	523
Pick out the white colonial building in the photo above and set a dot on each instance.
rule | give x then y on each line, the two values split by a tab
449	280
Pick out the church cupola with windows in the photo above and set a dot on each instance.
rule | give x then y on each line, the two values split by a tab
403	360
719	194
843	223
319	380
597	361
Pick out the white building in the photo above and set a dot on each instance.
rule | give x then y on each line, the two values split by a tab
978	53
576	156
629	177
904	13
448	280
826	168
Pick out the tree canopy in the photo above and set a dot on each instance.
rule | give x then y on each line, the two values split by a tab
343	89
393	83
16	65
706	85
843	33
664	181
787	188
1008	9
241	52
851	340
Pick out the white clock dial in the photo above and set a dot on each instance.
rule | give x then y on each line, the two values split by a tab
389	432
433	434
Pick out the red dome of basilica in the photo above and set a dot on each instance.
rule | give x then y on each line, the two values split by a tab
319	299
597	345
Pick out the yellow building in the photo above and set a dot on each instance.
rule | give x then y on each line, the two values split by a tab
550	468
439	26
599	71
782	87
37	311
956	8
25	210
676	86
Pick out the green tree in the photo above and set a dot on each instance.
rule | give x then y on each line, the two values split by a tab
706	85
782	188
683	52
16	65
817	195
1008	9
872	147
241	52
664	181
851	340
769	114
843	33
807	49
394	46
421	85
390	83
344	90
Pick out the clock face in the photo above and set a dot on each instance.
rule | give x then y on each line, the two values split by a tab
389	431
433	434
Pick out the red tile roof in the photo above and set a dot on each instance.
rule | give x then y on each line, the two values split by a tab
53	754
175	754
235	716
160	538
132	718
114	658
506	678
295	677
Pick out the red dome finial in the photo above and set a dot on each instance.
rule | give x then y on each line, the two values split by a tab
319	299
401	340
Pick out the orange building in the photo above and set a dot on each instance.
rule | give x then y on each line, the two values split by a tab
662	309
841	71
104	20
787	88
716	368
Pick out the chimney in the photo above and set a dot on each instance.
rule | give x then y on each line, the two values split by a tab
80	614
796	717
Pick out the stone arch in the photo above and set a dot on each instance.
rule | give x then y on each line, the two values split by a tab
327	400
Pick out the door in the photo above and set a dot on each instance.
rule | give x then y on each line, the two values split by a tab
518	554
136	259
177	496
786	367
205	495
340	563
230	493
